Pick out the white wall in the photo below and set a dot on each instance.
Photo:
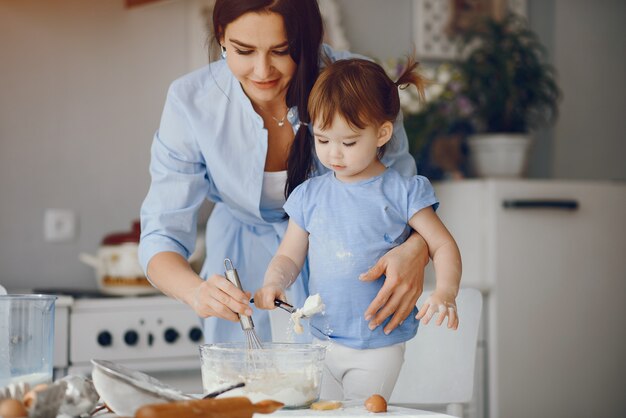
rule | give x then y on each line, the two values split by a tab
82	85
379	29
590	54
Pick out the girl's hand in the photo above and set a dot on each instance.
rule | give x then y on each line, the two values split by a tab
403	267
442	304
264	297
220	298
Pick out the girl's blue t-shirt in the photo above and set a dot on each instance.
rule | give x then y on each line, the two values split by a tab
350	226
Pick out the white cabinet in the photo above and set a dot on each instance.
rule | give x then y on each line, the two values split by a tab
551	258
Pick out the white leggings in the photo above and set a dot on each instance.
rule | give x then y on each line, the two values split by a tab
358	374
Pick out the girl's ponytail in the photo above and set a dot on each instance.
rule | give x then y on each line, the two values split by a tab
410	75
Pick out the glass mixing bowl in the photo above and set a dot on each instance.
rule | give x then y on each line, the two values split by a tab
286	372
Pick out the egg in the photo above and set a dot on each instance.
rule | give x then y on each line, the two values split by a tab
376	403
12	408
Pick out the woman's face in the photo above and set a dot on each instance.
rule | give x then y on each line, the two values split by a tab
258	55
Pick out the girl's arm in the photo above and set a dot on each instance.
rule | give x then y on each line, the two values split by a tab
447	263
284	267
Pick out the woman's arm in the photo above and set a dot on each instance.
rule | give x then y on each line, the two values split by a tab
403	267
180	183
172	274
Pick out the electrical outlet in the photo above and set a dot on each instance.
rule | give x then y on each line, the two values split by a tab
59	225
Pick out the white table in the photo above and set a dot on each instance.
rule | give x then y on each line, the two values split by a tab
357	410
348	410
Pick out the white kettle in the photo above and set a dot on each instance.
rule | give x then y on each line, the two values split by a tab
116	264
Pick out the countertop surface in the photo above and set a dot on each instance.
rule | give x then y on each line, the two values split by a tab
357	411
353	410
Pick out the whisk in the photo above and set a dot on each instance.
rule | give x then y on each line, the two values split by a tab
252	340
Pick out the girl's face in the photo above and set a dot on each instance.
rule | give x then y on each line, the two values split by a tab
350	153
257	53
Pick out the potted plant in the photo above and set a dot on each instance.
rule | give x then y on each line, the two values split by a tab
437	129
512	90
437	123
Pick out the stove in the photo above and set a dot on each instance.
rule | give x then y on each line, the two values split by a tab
154	334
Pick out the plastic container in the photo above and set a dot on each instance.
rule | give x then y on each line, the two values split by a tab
288	373
26	338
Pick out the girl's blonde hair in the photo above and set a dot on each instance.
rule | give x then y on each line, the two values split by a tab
361	92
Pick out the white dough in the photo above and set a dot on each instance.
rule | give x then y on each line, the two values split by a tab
294	388
312	305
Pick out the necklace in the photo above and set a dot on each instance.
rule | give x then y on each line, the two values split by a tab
281	122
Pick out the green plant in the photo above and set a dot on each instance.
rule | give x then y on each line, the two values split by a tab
444	117
506	77
447	110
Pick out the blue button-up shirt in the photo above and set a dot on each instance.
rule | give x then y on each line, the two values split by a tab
211	144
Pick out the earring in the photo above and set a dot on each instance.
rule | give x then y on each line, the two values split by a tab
223	52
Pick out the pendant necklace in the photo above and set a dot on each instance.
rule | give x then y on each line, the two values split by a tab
280	122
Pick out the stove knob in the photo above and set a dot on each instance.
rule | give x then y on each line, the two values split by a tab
171	335
195	334
131	337
105	338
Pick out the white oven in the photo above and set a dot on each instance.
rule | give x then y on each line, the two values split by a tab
154	334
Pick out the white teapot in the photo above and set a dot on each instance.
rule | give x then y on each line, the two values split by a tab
116	264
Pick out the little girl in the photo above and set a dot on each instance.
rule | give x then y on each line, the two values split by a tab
349	217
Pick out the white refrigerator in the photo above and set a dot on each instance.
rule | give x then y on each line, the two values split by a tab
550	257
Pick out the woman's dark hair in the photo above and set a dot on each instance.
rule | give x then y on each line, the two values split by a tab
361	92
304	27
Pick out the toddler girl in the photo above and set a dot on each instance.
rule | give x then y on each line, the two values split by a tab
346	219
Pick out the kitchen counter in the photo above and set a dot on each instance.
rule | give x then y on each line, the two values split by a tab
359	411
353	410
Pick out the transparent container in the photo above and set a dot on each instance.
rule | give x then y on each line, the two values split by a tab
26	338
288	373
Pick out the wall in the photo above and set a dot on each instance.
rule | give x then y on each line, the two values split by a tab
590	45
82	85
379	29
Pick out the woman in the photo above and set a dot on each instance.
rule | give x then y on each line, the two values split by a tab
231	133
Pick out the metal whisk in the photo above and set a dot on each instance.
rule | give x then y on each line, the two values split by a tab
252	340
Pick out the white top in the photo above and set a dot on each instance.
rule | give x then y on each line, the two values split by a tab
273	190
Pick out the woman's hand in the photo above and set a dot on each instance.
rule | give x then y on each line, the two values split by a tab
403	267
220	298
171	273
443	304
264	297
